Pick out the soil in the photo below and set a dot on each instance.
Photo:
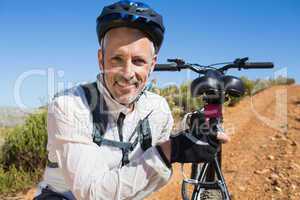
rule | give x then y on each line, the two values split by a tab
262	160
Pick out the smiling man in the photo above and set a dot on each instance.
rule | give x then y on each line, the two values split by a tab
111	139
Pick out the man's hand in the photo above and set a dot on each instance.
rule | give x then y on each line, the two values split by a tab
223	137
186	148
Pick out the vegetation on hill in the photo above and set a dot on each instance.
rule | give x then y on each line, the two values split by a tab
23	154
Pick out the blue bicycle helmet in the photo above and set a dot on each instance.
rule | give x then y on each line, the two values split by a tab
132	14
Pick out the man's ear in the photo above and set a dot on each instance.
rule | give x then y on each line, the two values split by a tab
100	59
154	61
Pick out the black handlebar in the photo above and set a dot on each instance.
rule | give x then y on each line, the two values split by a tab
248	65
166	67
258	65
178	64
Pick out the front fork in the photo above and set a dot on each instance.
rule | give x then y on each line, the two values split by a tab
209	178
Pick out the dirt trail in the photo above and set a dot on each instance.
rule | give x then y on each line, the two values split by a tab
262	161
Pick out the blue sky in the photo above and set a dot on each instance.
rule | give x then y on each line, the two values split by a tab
38	37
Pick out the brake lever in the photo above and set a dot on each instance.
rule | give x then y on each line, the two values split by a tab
178	61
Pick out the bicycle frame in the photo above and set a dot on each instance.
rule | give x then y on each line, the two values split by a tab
209	170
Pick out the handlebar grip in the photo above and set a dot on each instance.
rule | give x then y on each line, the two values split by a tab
165	67
172	59
258	65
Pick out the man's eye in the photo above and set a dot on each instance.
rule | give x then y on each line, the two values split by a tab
139	62
117	60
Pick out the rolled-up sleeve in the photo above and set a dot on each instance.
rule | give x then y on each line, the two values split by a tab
164	110
86	167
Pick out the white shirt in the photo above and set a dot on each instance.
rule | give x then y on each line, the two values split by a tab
93	172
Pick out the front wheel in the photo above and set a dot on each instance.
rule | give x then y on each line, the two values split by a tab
200	172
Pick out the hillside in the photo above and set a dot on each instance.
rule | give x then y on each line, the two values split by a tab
9	118
12	116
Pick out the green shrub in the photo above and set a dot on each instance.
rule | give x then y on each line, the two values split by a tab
261	84
233	101
290	81
14	180
25	145
24	154
177	112
180	99
281	80
248	84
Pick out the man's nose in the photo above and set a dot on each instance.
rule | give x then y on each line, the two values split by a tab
128	71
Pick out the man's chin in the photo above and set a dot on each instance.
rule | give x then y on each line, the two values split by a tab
126	99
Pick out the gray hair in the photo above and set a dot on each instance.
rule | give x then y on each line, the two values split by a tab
103	45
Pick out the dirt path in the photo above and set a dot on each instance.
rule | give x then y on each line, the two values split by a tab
261	162
263	159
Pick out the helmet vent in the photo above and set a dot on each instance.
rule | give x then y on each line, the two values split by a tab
141	10
125	7
112	7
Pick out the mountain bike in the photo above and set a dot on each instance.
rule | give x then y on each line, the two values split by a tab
206	179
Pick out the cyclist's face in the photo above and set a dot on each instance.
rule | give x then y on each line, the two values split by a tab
127	60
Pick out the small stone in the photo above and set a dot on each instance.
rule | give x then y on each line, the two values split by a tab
278	189
275	182
283	177
274	176
263	146
293	143
278	136
270	157
242	188
283	126
293	187
267	180
291	167
257	157
295	166
261	171
288	152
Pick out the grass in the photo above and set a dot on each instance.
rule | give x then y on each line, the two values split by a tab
15	180
4	131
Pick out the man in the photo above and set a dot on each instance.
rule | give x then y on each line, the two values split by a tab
117	146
